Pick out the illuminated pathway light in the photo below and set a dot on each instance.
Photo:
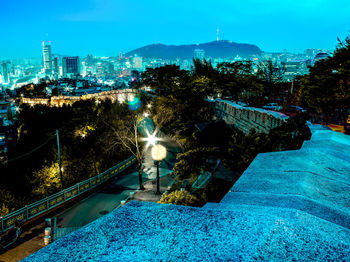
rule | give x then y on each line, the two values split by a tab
158	154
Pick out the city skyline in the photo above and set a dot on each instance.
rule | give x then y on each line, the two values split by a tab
105	29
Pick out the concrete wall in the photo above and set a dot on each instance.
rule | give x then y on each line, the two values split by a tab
247	118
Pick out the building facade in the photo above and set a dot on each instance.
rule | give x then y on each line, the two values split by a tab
70	66
47	59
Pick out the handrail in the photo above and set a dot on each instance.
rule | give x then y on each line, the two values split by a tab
30	211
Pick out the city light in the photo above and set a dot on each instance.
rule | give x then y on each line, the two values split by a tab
158	152
151	139
134	103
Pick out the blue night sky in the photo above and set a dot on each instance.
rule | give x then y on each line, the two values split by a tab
106	27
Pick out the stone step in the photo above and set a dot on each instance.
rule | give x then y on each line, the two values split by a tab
143	231
331	214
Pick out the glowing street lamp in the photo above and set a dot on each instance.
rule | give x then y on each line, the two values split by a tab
158	151
151	139
158	154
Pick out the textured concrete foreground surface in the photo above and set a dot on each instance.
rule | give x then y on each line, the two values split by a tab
292	205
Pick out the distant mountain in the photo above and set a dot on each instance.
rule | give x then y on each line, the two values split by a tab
216	49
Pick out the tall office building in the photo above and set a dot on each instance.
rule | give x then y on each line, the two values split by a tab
47	57
5	73
70	66
199	54
55	68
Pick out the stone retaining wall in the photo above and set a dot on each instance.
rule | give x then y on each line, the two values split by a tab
247	118
114	95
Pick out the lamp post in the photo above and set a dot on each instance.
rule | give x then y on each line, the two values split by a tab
158	154
59	158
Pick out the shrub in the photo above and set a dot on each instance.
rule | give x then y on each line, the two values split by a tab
180	198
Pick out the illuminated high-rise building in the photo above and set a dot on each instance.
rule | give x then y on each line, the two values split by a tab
70	66
47	57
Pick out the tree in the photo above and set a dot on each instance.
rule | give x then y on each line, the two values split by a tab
193	161
203	68
8	202
238	82
271	73
47	180
125	133
166	80
326	89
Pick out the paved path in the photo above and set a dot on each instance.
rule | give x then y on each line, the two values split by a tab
29	242
101	202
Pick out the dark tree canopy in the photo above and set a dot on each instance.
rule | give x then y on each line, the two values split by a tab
326	89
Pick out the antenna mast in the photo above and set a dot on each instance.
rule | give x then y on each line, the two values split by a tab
217	33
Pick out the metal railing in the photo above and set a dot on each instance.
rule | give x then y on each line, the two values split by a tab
30	211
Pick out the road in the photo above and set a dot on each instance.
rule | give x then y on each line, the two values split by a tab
108	198
101	202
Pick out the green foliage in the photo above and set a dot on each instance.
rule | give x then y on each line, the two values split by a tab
243	149
203	68
180	198
33	90
7	203
166	80
47	180
192	162
237	81
270	72
326	89
271	75
86	150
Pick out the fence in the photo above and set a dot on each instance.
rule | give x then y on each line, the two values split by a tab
63	231
28	212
